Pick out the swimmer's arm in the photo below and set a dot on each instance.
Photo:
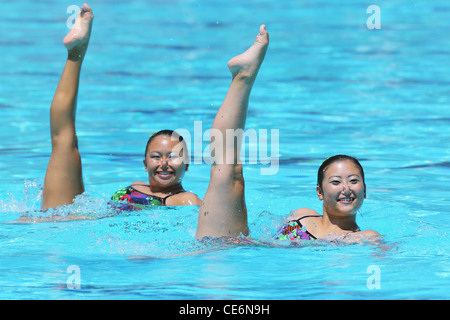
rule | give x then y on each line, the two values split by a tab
366	236
370	233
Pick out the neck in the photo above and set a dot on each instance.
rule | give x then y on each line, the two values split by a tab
166	189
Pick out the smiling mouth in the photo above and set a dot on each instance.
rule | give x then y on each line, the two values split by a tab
164	174
346	200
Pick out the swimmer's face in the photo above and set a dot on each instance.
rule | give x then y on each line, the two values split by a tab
343	188
165	162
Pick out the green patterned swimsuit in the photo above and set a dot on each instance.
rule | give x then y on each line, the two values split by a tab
131	195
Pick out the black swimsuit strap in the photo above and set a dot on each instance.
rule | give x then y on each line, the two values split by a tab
300	224
181	191
163	200
298	220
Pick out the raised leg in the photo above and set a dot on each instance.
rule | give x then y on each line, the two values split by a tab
223	211
63	180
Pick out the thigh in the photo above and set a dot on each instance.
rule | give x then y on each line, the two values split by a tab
223	211
64	178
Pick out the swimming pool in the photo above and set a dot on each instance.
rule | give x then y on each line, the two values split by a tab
329	85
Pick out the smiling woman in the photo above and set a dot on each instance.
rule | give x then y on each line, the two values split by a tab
342	188
166	161
164	157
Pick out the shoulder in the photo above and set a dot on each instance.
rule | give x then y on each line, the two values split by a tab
141	187
302	212
138	184
184	199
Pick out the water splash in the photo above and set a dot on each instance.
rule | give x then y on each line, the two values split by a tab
27	200
91	224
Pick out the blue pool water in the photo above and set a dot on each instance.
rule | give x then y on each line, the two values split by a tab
329	85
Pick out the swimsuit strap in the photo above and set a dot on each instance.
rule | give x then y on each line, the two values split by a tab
305	217
163	200
301	226
294	229
173	194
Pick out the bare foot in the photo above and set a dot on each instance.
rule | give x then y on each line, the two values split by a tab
247	64
76	41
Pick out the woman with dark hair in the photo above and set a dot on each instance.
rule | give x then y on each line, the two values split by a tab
342	188
223	213
166	160
165	154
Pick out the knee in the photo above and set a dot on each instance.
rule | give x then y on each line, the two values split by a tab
64	140
238	174
227	174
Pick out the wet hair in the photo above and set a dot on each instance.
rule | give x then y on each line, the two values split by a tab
336	158
168	133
